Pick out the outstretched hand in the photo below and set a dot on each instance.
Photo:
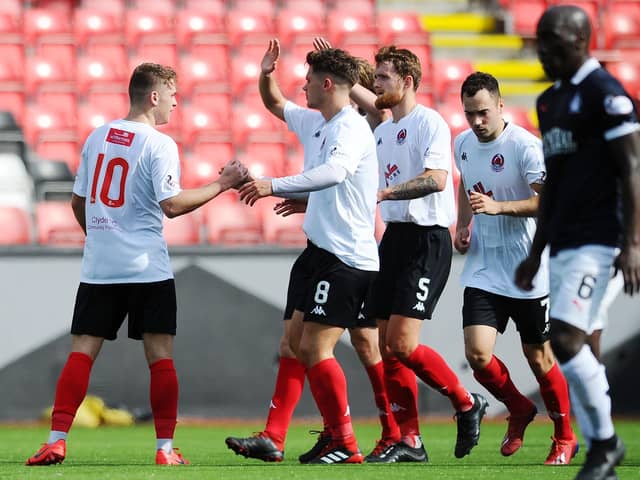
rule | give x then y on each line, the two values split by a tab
320	43
289	207
252	191
270	59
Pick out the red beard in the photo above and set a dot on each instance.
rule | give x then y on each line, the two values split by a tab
388	100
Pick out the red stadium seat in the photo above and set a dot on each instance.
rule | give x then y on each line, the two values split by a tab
183	230
11	27
164	54
147	26
525	16
425	97
101	72
318	6
218	7
99	109
47	25
98	26
245	69
205	69
454	116
350	26
11	68
245	26
198	26
361	7
264	159
299	26
166	7
621	25
52	118
204	123
203	165
65	151
57	226
50	72
252	122
395	26
448	75
115	6
519	116
362	46
423	52
291	74
628	73
13	102
230	222
283	231
15	226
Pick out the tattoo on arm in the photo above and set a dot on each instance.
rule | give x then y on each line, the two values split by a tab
416	188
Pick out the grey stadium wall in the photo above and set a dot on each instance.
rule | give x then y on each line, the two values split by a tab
229	324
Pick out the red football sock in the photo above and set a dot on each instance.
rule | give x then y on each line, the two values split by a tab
71	390
289	385
495	378
390	429
434	371
163	393
329	388
402	390
555	393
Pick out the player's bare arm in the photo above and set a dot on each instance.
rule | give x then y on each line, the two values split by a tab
270	93
430	181
481	203
188	200
462	238
626	152
77	205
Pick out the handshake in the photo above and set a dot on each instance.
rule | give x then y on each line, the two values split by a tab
236	175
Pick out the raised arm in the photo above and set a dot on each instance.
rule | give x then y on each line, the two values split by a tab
270	93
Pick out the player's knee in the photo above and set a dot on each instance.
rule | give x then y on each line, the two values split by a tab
565	345
477	359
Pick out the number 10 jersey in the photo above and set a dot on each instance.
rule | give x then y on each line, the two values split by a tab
127	169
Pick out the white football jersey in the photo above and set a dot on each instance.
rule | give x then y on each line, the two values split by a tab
127	169
503	169
340	219
419	140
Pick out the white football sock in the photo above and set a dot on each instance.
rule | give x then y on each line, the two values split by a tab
55	435
165	444
590	388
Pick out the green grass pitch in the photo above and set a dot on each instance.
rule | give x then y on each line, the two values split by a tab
128	453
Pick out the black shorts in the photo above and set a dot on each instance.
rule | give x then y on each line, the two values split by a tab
531	315
333	292
297	286
415	262
100	309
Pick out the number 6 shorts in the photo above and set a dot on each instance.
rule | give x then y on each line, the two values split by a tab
578	281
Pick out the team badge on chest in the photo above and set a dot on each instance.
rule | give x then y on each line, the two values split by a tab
497	162
402	136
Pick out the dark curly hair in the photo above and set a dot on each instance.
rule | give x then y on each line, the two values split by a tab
335	62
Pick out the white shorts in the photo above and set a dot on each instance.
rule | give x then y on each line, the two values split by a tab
578	281
613	289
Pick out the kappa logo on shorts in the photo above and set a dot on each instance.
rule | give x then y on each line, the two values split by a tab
318	310
419	307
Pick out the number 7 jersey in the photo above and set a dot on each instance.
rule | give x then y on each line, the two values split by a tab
127	169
